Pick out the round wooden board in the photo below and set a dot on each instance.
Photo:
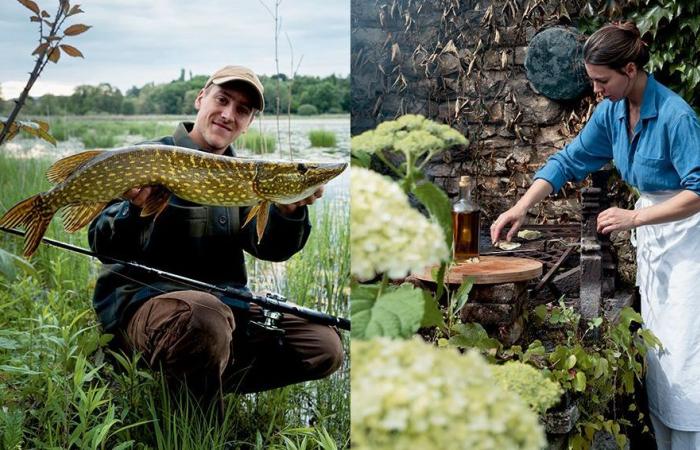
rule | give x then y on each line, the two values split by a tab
491	270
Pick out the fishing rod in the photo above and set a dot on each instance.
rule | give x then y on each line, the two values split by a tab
271	301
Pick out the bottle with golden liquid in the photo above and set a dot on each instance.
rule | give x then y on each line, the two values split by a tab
465	223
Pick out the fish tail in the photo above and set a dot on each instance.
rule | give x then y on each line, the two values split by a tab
34	215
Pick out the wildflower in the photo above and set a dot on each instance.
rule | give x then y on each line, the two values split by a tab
409	394
387	235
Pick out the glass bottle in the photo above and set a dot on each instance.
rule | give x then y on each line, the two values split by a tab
465	223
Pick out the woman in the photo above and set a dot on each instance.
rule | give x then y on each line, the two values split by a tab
653	136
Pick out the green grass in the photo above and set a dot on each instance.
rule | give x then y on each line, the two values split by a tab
322	138
61	388
257	142
107	132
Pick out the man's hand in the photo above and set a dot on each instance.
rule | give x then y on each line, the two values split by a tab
289	209
138	195
616	219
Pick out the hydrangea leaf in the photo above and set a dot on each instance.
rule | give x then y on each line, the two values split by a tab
397	312
432	316
438	204
472	335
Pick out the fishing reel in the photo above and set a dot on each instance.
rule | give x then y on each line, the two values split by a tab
270	322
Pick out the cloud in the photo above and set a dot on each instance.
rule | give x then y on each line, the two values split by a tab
132	42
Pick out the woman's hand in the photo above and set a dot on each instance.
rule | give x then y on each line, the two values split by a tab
515	216
616	219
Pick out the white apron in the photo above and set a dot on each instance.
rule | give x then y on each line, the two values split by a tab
668	276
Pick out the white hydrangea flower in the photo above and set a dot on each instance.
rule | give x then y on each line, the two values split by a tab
387	235
409	394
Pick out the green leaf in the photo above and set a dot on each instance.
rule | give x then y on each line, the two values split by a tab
8	344
439	206
397	312
541	312
11	265
580	381
472	335
462	294
570	362
361	158
432	316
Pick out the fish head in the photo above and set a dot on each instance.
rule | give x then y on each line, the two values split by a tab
287	182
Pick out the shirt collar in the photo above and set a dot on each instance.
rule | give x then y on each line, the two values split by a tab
648	109
181	137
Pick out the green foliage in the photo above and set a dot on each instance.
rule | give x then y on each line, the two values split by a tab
58	390
307	110
257	142
672	30
177	97
322	138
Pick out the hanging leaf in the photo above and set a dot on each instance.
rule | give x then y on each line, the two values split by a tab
41	49
31	5
438	204
54	54
35	19
74	30
71	51
65	6
45	14
74	10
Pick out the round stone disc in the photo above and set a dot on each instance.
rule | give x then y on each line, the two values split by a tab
554	63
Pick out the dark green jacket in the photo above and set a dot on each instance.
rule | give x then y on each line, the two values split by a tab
201	242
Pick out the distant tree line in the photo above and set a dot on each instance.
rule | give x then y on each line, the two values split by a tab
310	93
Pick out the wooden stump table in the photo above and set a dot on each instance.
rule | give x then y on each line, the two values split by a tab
498	294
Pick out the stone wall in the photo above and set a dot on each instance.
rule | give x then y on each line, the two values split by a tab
462	63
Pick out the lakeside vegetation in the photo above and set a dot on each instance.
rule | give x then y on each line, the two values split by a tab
61	388
323	95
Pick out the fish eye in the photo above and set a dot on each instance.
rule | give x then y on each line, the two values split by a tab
301	168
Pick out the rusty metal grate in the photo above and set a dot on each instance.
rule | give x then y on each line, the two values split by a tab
548	248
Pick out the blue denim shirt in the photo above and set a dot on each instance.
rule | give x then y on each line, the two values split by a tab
664	153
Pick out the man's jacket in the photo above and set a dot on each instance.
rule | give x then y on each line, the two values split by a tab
201	242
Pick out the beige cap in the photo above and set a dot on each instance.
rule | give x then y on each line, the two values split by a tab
239	73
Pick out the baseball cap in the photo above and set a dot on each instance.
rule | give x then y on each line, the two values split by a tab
239	73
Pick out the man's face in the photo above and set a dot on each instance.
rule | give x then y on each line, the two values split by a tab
223	113
610	83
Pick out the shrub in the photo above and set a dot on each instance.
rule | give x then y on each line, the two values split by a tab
322	138
257	142
307	110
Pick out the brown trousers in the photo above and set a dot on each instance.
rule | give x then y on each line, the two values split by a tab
193	336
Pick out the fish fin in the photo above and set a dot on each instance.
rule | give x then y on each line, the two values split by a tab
156	202
77	216
263	215
34	215
262	212
252	213
61	169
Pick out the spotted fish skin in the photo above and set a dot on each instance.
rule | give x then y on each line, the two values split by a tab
86	182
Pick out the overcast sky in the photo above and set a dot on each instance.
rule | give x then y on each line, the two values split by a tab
133	42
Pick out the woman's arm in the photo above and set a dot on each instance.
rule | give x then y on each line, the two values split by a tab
682	205
516	215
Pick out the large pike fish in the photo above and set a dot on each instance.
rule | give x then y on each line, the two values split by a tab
87	181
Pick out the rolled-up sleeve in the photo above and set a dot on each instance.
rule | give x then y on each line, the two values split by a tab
588	152
685	151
